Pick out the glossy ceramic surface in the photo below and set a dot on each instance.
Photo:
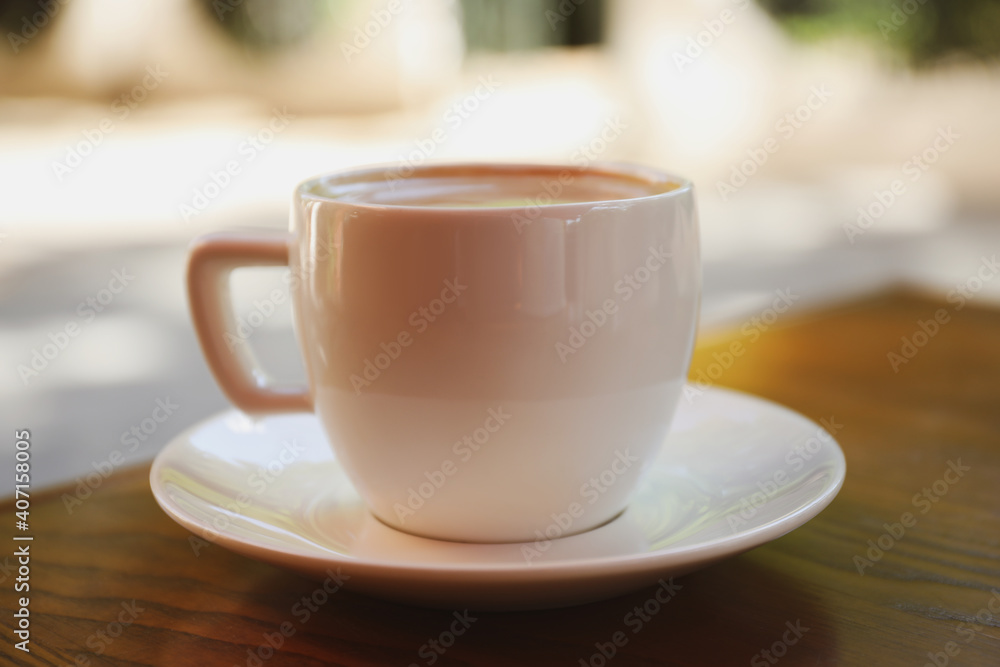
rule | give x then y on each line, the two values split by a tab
735	472
505	355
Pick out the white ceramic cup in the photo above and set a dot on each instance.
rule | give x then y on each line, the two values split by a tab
495	351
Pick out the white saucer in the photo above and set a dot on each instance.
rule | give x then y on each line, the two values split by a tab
735	473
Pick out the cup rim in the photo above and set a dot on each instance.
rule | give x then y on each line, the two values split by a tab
648	176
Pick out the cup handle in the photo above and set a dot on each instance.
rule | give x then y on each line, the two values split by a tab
212	259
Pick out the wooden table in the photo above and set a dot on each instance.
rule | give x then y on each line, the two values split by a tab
117	583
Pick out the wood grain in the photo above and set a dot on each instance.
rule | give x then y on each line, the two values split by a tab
899	431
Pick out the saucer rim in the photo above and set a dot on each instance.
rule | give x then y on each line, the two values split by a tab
711	551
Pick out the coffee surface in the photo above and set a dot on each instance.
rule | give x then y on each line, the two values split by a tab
455	188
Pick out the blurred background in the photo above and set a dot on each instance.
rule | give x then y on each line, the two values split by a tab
839	147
